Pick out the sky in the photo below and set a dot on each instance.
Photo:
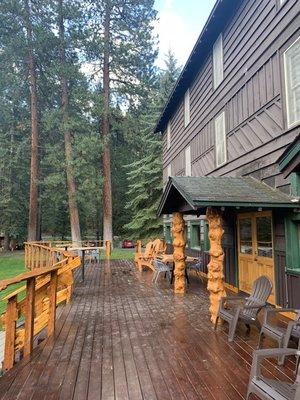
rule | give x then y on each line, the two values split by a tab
180	23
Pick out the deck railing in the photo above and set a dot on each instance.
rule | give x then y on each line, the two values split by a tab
48	283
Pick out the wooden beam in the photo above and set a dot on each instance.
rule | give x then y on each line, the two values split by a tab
52	302
11	317
29	316
179	242
215	267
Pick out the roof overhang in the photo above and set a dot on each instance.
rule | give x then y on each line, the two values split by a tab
217	21
289	161
192	195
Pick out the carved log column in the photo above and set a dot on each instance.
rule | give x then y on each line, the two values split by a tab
215	274
179	252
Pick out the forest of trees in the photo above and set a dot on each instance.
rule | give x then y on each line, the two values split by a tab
79	98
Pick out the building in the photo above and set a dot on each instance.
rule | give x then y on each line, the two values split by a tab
230	140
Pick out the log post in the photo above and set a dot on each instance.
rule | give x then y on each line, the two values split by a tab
138	254
179	243
52	302
29	316
215	274
11	317
108	248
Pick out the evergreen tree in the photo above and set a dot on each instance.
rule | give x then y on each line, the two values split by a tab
145	173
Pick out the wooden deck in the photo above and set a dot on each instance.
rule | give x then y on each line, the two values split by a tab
123	338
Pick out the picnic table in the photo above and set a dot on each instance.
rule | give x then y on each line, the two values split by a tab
83	250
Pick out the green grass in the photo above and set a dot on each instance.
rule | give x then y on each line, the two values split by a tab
120	254
11	264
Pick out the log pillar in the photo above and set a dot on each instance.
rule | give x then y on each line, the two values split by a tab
179	243
215	274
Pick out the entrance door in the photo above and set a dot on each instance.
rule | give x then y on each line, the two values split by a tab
255	249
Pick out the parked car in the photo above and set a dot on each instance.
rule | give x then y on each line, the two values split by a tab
127	244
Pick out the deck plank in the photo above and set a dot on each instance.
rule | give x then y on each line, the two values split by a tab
123	338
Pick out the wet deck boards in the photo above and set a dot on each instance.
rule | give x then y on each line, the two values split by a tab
123	338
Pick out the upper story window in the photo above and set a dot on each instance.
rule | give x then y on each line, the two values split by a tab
220	139
187	115
188	163
292	82
218	73
168	135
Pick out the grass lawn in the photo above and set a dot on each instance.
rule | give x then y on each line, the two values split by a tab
11	264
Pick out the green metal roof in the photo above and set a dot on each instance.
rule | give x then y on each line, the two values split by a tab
290	158
195	193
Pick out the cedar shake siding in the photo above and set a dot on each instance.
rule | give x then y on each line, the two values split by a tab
251	94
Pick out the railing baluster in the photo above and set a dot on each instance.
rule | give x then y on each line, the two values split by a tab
10	333
29	316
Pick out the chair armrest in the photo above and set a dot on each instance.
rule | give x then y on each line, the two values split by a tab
260	355
273	310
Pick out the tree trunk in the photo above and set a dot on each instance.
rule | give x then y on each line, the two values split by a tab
34	166
71	185
106	191
179	243
215	274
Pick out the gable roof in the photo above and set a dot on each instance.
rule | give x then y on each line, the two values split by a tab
217	21
189	194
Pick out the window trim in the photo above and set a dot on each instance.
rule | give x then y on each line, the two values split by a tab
292	247
296	123
168	135
216	85
187	108
222	113
188	167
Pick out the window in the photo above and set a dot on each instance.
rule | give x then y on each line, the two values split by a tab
188	164
220	139
218	62
168	233
168	135
187	108
292	82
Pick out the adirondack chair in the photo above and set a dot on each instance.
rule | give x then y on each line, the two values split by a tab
279	333
271	389
160	267
235	308
159	247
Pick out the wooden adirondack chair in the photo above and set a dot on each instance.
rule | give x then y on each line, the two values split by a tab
271	389
144	259
235	308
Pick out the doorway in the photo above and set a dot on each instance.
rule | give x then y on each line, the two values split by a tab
255	250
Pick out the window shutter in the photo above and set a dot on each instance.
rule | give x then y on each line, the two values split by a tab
218	62
292	82
188	163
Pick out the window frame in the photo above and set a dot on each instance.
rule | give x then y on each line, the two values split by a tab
286	88
168	228
292	246
187	108
221	114
216	84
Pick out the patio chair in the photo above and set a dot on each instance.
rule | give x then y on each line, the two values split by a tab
235	308
271	389
197	267
280	333
160	267
145	259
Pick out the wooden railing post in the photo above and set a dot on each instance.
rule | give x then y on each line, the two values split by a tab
52	303
29	316
10	333
108	248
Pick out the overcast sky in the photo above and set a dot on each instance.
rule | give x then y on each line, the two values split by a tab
180	23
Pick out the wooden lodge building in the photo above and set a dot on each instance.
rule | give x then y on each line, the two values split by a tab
231	141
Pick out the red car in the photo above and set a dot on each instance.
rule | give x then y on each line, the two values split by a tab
127	244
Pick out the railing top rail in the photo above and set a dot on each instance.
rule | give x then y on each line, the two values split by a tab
31	274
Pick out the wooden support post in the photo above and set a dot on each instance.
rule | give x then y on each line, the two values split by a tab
138	254
52	303
215	274
10	333
179	243
29	316
107	248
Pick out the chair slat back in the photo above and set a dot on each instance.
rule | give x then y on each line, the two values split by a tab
261	290
148	250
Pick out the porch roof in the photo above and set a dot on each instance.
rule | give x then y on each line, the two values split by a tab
193	194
